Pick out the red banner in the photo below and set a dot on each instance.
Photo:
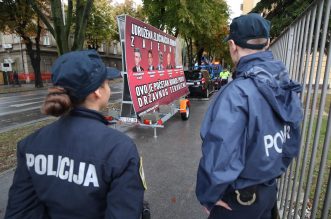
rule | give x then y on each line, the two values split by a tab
155	76
45	76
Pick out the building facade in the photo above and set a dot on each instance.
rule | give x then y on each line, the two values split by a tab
13	53
248	5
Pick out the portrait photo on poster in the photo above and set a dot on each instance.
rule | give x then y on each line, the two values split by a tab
137	60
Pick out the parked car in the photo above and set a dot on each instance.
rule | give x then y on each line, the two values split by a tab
199	82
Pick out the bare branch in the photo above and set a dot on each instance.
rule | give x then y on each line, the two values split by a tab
42	16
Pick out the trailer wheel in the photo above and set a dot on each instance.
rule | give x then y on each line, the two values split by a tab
186	115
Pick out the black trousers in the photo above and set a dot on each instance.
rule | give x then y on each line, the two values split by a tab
224	82
261	209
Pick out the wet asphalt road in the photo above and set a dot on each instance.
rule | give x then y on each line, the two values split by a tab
19	108
170	164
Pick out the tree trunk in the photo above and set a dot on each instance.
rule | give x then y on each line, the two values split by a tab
83	12
34	55
188	42
59	28
199	55
34	61
191	64
38	80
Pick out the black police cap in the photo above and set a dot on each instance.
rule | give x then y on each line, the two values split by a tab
247	27
81	72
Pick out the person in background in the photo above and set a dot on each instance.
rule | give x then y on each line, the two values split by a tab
77	167
16	79
251	131
224	76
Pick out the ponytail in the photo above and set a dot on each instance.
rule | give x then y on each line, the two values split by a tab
57	102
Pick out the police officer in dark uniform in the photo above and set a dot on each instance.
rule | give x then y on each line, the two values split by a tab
77	167
251	131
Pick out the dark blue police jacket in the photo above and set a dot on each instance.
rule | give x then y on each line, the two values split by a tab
251	130
76	167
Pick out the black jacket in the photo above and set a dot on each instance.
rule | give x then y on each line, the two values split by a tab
76	167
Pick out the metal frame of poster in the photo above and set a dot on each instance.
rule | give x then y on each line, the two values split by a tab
152	68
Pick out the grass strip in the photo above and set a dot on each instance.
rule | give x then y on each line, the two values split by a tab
8	142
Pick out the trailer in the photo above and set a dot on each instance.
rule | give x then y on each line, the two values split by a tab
154	90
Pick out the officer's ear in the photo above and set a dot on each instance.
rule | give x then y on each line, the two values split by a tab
234	51
97	93
232	46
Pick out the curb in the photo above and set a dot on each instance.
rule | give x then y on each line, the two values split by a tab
7	171
23	90
10	128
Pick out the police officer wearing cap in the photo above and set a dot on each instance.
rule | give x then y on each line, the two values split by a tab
251	131
77	167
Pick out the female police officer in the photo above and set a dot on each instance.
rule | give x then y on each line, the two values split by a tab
77	167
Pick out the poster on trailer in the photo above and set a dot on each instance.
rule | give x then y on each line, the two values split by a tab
154	68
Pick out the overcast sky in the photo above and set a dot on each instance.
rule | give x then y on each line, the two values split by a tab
234	8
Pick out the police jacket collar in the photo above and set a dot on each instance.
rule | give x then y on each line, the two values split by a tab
249	61
88	113
272	81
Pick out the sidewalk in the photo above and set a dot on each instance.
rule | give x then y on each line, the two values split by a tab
5	89
6	179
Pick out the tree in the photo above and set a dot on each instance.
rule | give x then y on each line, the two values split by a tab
281	13
214	31
101	25
200	23
16	17
76	17
127	7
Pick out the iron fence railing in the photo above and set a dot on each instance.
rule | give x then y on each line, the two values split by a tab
304	47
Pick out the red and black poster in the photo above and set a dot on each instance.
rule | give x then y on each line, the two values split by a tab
155	76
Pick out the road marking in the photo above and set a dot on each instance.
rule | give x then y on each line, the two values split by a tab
25	104
20	110
21	100
41	93
198	99
9	128
38	107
